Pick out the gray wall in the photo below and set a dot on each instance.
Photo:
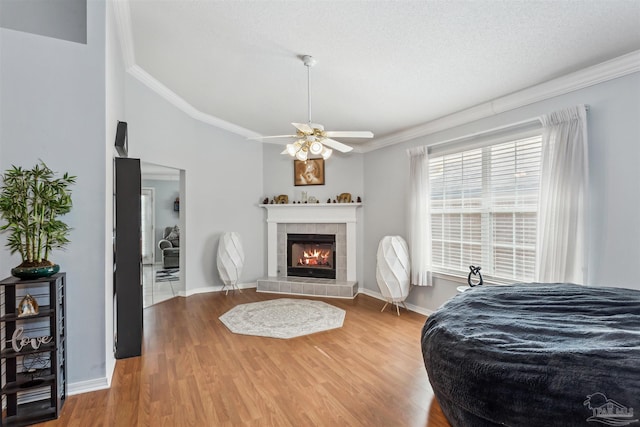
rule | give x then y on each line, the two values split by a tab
53	108
165	194
115	111
222	180
60	101
62	19
343	173
614	155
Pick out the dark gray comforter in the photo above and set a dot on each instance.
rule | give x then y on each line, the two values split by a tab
536	355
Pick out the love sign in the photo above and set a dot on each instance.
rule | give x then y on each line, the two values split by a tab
18	342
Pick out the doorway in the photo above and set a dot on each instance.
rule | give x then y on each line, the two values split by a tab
161	217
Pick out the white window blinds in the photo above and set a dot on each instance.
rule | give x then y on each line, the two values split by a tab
484	205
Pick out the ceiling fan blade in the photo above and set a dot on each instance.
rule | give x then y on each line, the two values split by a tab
273	136
332	143
349	134
303	127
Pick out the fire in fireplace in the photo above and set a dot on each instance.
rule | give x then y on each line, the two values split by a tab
311	255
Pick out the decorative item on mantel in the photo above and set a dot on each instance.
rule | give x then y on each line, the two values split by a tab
38	195
282	199
344	198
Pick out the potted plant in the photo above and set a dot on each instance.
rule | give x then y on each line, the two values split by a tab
31	200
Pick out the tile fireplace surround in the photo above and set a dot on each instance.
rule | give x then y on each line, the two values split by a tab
320	218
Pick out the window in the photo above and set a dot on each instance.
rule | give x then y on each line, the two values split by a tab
484	207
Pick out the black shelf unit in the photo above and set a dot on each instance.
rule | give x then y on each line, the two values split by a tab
33	395
127	258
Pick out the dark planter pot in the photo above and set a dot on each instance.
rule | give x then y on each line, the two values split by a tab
35	272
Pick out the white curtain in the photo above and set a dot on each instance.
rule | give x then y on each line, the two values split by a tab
419	219
561	240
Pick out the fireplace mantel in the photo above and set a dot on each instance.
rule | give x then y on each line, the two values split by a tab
319	213
312	212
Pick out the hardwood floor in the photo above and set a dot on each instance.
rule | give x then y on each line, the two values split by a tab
194	372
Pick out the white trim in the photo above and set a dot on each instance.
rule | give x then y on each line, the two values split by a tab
153	223
178	102
609	70
122	14
161	177
313	213
412	307
89	385
513	132
207	289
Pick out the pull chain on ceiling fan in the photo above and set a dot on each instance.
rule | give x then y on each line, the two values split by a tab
312	139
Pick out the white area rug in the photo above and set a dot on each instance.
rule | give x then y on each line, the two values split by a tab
283	318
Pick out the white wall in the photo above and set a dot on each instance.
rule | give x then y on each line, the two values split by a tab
52	107
222	183
614	135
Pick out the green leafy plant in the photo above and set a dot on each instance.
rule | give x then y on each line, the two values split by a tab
31	200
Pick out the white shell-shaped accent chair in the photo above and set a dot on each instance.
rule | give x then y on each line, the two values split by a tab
230	259
393	269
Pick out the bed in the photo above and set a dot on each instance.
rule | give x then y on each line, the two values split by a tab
536	355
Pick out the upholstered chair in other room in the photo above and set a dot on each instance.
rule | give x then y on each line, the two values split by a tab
393	270
170	247
230	259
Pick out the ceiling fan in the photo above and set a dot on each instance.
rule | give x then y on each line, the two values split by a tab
311	138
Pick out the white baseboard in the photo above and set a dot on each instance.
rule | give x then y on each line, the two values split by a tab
87	386
208	289
412	307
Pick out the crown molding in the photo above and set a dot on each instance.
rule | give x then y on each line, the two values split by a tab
122	15
178	102
609	70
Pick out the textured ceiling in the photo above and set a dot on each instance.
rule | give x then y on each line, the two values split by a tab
383	66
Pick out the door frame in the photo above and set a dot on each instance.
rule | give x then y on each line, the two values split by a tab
153	223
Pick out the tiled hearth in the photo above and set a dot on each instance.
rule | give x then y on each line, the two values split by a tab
338	219
308	286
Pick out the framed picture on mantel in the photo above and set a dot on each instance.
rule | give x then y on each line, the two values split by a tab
308	172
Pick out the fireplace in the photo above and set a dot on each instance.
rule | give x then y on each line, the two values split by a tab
313	218
311	255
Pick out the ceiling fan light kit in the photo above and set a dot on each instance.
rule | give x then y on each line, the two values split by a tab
311	138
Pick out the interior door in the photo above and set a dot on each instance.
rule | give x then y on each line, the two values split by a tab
147	225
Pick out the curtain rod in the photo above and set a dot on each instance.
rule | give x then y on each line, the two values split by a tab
530	123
